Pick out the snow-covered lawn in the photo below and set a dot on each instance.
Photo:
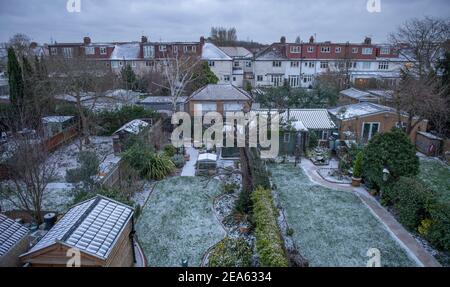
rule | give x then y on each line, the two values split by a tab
178	221
331	227
436	175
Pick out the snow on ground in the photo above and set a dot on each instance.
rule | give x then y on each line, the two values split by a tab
178	221
436	175
332	228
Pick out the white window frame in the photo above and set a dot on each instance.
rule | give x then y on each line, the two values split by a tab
276	64
149	52
133	63
277	80
355	50
325	49
162	48
89	50
259	78
68	52
307	78
366	65
236	64
103	50
338	50
149	63
295	64
295	50
385	51
367	51
294	81
248	64
324	65
226	78
370	130
310	49
384	65
211	63
54	51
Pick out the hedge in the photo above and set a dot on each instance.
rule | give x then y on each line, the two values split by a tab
269	244
231	253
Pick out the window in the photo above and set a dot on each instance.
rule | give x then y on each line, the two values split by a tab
276	63
149	63
205	107
115	64
354	50
236	63
162	48
259	78
294	80
325	49
385	51
307	78
232	107
287	137
338	49
311	64
211	63
53	51
367	51
102	50
189	49
310	49
369	130
295	49
248	64
366	65
67	52
295	64
383	66
277	80
149	52
120	63
175	49
133	63
226	78
401	125
234	79
89	50
324	65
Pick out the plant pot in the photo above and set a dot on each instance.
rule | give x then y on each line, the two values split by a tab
356	181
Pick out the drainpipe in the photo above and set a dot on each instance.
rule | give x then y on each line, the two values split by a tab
132	234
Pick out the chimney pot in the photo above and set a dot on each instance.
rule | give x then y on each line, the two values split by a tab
311	39
283	40
144	39
87	40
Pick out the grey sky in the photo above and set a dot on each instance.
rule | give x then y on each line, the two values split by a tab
260	20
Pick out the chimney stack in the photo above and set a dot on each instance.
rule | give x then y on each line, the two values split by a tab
202	40
144	39
368	40
311	39
283	40
87	40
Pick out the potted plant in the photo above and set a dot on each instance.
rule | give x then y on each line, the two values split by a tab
357	169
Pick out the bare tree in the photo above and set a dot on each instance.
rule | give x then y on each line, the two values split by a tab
178	72
83	83
422	40
420	98
21	45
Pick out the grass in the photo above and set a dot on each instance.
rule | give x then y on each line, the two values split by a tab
333	228
178	222
437	176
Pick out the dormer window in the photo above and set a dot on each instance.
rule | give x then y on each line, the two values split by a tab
102	50
325	49
295	49
310	49
162	48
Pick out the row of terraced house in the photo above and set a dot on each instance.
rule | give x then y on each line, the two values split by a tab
296	63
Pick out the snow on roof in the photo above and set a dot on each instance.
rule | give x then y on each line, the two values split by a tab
133	127
212	52
387	94
355	93
92	226
430	135
237	52
359	110
207	157
129	51
273	52
56	119
161	99
299	126
225	92
311	119
11	233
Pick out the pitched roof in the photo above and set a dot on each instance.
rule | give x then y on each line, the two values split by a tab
92	226
237	52
359	110
133	127
314	119
275	51
387	94
217	92
161	100
213	53
11	233
129	51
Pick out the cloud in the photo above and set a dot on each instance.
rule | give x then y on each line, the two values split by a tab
260	20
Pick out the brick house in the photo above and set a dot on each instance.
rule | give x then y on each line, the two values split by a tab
363	120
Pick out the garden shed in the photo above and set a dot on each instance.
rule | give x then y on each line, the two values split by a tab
14	240
206	163
428	143
101	229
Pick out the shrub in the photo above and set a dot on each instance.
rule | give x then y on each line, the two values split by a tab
410	198
357	167
244	203
170	150
110	121
313	140
178	160
157	166
230	187
231	253
112	193
136	156
439	231
269	244
393	150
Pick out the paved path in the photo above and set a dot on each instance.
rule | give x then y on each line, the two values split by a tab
393	226
189	167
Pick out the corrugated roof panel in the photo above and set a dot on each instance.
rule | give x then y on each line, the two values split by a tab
11	232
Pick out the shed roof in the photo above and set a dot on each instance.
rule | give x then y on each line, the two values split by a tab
161	99
355	93
92	226
11	233
207	157
359	110
56	119
133	127
311	119
220	92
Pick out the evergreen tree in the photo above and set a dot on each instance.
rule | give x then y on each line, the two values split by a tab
203	76
15	80
129	78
